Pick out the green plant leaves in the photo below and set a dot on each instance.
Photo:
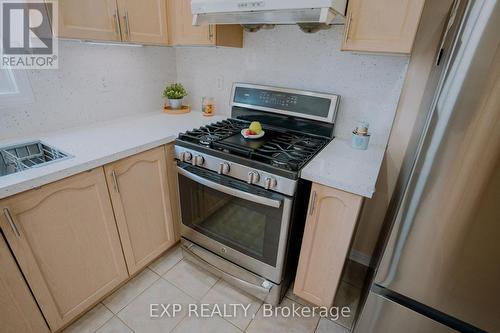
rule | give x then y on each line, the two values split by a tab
175	91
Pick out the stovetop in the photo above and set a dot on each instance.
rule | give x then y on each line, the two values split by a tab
280	149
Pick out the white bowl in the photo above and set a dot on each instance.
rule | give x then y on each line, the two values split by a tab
253	137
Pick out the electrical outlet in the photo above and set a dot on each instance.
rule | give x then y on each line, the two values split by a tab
219	82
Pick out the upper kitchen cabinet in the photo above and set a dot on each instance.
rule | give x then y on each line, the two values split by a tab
382	26
143	21
182	31
89	19
141	200
329	228
66	243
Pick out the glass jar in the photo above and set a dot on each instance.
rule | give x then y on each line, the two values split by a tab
208	106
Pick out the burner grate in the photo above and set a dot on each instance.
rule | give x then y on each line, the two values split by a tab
214	132
288	151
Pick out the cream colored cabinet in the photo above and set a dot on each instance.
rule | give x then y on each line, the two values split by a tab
89	19
18	309
143	21
329	228
384	26
140	195
132	21
182	31
65	240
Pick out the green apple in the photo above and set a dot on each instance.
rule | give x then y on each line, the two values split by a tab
256	127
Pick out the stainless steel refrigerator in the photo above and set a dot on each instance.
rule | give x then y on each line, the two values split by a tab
440	265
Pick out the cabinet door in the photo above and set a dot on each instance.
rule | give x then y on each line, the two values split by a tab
65	240
18	309
144	21
89	19
182	31
328	232
386	26
140	195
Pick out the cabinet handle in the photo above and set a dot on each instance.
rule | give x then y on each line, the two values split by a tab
313	203
211	32
117	23
347	26
127	25
115	181
6	212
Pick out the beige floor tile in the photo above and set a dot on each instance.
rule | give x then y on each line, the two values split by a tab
224	293
136	315
191	279
355	273
282	324
205	325
123	296
163	264
328	326
114	325
347	295
91	321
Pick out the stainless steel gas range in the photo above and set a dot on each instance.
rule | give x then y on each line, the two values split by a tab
243	204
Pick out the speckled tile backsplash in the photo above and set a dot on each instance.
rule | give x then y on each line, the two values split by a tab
102	82
370	85
94	83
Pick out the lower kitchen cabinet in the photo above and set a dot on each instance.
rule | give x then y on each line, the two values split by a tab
140	195
65	240
18	309
329	228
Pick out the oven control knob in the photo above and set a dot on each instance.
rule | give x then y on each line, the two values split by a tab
186	156
198	160
270	183
253	177
224	168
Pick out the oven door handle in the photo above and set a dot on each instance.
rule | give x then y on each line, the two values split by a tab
230	191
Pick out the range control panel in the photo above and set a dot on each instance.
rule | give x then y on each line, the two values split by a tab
303	103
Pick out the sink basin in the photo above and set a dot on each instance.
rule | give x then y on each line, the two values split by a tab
19	157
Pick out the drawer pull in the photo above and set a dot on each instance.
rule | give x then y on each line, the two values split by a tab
117	23
6	212
313	203
115	181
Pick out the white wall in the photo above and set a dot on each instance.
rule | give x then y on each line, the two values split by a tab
93	83
370	85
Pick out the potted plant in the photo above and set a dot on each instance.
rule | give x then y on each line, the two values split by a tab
175	92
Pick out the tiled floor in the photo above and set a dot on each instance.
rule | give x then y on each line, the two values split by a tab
173	280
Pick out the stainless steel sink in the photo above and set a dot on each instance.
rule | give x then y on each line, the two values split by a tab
19	157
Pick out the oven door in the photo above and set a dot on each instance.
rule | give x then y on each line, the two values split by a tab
240	222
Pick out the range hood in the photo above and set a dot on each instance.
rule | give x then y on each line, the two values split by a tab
267	12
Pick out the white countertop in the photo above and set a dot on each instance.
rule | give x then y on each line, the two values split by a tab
99	144
342	167
338	165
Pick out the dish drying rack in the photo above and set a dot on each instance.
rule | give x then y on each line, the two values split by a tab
29	155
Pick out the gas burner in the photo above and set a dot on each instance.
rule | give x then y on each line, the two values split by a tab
289	151
206	135
300	141
208	138
286	159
